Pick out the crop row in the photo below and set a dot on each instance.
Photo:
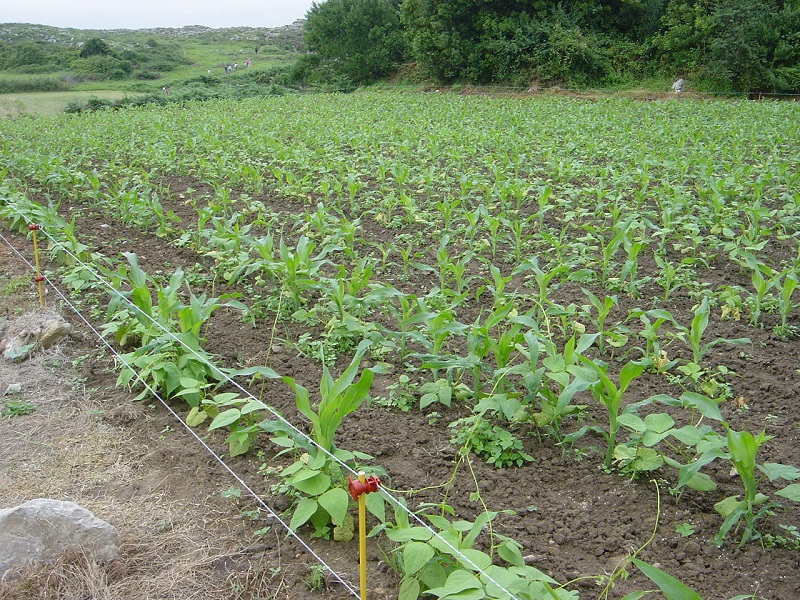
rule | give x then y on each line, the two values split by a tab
518	258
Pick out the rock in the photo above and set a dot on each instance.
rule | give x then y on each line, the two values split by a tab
40	530
33	332
13	388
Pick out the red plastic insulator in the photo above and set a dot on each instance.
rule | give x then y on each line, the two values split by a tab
34	226
356	488
39	278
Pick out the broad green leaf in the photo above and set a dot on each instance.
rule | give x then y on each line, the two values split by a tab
303	512
458	581
196	417
632	421
415	555
225	418
671	587
790	492
313	485
376	506
510	552
688	434
659	422
283	442
471	558
335	501
406	534
778	471
702	483
729	505
225	398
409	589
499	582
345	531
252	406
238	443
706	406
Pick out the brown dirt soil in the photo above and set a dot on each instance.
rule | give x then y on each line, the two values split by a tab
135	467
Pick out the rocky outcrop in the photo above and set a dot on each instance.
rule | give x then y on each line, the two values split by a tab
39	531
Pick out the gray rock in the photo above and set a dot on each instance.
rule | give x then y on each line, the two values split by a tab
32	332
13	388
40	530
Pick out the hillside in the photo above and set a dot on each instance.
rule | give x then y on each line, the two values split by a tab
286	37
39	58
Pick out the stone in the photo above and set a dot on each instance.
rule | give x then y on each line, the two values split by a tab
13	388
40	530
32	332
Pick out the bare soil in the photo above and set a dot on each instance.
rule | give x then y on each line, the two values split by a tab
134	466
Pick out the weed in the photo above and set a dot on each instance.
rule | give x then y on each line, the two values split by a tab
494	444
315	579
17	407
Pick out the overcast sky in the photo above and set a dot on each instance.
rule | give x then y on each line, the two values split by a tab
139	14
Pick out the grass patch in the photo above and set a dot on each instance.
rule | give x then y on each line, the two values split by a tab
17	407
50	103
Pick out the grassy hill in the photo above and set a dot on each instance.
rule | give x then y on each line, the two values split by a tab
36	58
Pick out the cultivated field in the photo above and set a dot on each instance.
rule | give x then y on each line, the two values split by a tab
562	332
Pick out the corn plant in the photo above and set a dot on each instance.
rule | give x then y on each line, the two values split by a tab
316	478
743	448
602	309
559	369
694	334
610	395
785	283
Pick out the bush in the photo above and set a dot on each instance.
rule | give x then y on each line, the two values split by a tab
101	68
32	84
146	75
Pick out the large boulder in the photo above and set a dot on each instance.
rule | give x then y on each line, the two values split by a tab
40	530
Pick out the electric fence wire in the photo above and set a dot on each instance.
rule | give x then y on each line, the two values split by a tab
200	440
464	559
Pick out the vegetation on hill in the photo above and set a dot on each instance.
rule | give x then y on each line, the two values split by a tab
41	58
720	45
724	46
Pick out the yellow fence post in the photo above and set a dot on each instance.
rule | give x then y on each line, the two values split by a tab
357	488
33	227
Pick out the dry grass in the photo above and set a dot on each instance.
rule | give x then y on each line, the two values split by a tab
180	538
131	465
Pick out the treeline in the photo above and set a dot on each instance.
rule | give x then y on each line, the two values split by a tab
718	45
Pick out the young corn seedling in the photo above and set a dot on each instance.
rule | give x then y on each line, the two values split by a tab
610	395
602	309
314	478
785	283
694	334
743	447
762	277
561	369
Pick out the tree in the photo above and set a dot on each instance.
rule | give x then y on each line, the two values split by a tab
733	45
515	41
95	47
742	37
358	39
